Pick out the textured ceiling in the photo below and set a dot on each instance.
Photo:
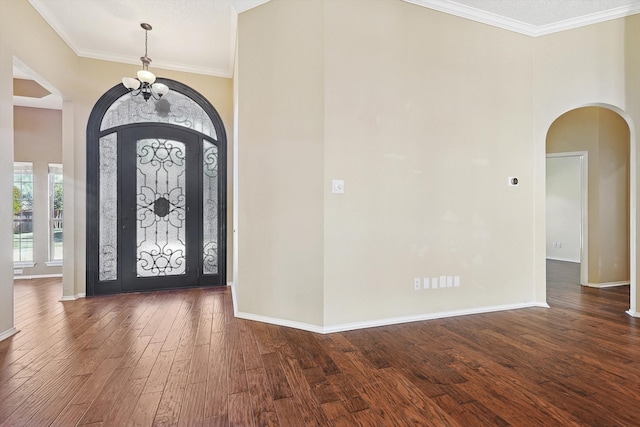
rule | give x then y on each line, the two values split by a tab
199	36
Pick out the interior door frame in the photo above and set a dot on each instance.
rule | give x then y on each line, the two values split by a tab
93	285
584	210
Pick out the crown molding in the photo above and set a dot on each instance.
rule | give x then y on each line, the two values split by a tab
521	27
124	59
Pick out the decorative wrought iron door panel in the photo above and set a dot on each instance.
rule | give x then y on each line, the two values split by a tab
161	207
160	201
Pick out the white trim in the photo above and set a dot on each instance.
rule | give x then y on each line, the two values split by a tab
8	333
632	313
37	276
555	258
24	264
234	300
609	284
430	316
531	30
72	297
375	323
54	263
281	322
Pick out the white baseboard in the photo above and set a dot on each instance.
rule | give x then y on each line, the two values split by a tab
72	297
375	323
633	313
281	322
430	316
553	258
37	276
609	284
8	333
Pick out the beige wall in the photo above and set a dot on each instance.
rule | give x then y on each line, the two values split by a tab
605	136
424	116
25	35
280	161
38	139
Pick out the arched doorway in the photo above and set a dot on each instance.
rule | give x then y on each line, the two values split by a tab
156	192
603	135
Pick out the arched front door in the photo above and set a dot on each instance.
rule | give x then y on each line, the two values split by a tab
155	192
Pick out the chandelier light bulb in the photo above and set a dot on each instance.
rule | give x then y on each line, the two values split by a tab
131	83
146	76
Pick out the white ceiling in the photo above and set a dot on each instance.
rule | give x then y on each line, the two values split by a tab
199	36
188	35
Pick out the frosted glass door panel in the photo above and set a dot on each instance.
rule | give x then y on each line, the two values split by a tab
210	208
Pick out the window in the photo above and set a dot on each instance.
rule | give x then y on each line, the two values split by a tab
55	214
23	213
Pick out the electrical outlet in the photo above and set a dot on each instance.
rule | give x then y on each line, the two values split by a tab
443	281
416	284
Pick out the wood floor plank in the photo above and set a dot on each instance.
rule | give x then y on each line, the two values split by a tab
236	368
120	414
159	372
92	388
145	410
192	409
108	397
169	407
280	387
264	412
240	412
217	399
71	415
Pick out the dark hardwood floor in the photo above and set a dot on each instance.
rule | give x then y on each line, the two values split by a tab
181	358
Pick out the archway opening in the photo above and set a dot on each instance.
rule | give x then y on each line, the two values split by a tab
588	180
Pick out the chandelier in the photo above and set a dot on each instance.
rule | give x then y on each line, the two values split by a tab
145	82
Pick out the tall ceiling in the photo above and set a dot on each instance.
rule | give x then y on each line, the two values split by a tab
199	36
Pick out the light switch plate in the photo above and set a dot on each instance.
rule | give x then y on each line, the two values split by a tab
337	186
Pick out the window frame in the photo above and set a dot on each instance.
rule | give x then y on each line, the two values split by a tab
54	170
22	169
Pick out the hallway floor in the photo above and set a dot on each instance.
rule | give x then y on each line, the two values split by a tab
181	358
